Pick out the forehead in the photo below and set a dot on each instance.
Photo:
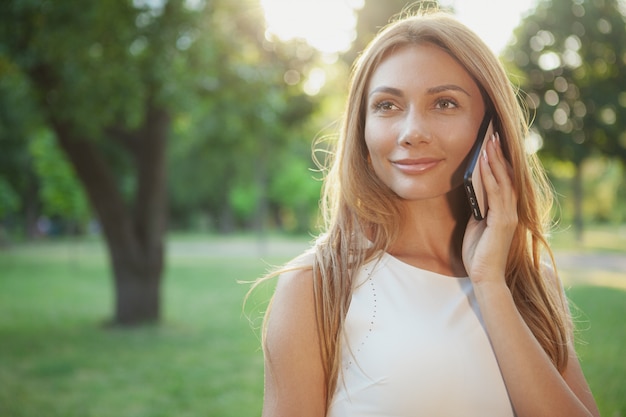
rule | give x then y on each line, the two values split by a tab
422	65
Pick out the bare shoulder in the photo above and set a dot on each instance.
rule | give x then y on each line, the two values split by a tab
294	376
291	319
293	298
294	292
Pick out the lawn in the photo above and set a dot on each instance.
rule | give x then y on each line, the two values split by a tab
58	359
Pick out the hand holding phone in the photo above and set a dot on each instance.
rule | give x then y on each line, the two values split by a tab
472	179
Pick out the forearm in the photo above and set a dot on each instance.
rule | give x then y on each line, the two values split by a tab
535	386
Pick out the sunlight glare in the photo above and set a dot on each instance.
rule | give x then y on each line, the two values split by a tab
327	25
315	81
478	15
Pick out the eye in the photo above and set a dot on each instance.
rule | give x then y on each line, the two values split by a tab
383	106
446	103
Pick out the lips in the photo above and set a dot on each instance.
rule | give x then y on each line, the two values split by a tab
416	166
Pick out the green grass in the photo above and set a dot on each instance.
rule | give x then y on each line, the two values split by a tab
599	314
58	359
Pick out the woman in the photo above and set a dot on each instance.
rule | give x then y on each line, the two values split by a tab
407	305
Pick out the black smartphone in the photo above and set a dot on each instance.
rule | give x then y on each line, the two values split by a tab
472	180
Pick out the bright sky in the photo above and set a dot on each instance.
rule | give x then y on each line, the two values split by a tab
493	20
328	25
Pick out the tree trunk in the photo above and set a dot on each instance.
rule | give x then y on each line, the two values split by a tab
32	208
577	184
134	234
137	282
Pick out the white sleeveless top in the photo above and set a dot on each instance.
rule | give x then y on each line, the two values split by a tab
414	345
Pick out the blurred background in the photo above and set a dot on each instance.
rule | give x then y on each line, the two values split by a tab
156	155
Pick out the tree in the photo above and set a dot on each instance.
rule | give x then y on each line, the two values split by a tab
100	76
113	81
107	77
571	57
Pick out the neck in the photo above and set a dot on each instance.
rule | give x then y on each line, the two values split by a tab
431	236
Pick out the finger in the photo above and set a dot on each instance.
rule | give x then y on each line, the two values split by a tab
495	173
497	162
488	163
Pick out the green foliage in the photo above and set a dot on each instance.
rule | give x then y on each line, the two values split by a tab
61	194
88	49
248	122
243	199
18	114
9	200
90	72
97	67
571	57
297	192
19	120
604	188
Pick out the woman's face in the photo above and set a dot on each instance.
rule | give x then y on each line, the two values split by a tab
423	113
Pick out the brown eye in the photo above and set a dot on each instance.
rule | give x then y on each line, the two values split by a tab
384	105
446	103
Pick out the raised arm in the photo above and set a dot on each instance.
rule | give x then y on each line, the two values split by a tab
294	377
535	385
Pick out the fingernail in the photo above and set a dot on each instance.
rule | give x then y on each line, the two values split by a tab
493	137
485	154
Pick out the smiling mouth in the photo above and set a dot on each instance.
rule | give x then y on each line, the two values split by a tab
416	166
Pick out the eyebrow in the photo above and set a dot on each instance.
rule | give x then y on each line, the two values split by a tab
446	87
433	90
389	90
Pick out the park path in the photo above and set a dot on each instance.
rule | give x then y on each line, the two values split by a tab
592	268
614	262
239	247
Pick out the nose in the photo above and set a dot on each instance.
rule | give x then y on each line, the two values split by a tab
414	130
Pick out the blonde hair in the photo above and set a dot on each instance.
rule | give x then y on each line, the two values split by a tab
358	208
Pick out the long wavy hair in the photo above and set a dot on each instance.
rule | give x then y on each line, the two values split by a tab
362	215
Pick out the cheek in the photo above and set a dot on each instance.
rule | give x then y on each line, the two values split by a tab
376	155
463	150
378	140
